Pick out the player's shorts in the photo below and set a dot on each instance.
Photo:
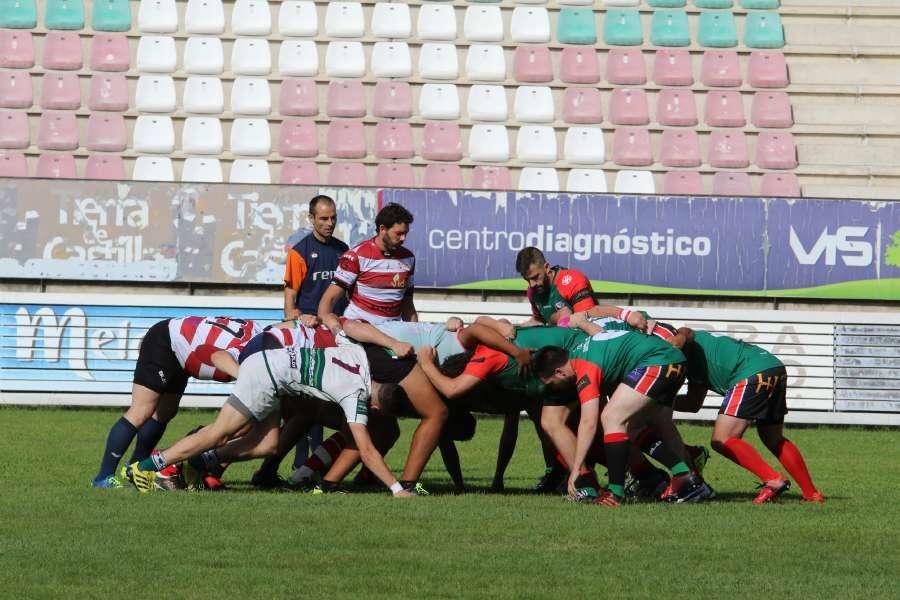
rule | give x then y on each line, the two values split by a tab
559	399
660	383
157	366
384	368
761	397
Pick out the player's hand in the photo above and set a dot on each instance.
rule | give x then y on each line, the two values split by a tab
523	357
310	320
577	318
651	325
402	349
506	329
573	491
404	494
426	355
290	315
638	321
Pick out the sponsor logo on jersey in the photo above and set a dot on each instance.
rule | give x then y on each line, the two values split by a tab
292	356
565	279
583	383
398	281
314	255
162	377
322	275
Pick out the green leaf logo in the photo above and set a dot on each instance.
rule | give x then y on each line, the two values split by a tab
892	252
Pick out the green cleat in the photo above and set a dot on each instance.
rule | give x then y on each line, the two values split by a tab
144	481
110	482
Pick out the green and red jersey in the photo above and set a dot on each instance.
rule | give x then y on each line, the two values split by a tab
719	362
568	289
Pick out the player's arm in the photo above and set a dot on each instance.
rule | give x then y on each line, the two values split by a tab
479	334
587	429
225	362
408	310
326	307
634	318
676	337
508	438
372	458
448	387
692	401
450	456
579	321
501	326
295	271
365	333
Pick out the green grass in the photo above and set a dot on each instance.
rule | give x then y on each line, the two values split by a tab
59	538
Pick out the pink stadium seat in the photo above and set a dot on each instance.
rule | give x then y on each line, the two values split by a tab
16	49
393	139
725	109
15	89
13	164
61	91
579	64
683	183
673	67
720	68
298	137
732	184
299	172
347	174
106	132
680	148
582	105
491	178
56	166
532	64
346	98
14	129
58	131
771	109
728	149
109	91
109	52
625	66
776	150
298	97
676	108
631	147
393	99
783	185
628	106
441	141
767	69
397	175
105	166
346	139
62	51
443	177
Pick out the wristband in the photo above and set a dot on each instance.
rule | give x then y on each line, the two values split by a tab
563	321
624	313
396	488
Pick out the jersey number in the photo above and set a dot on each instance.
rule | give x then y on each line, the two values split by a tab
239	334
352	368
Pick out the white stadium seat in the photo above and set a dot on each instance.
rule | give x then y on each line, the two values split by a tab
345	59
541	179
251	96
204	17
483	24
438	61
203	95
153	168
201	135
536	143
250	171
250	137
155	93
584	146
204	56
530	24
635	182
391	59
298	58
344	20
485	63
298	18
154	134
202	170
586	180
156	54
534	104
436	22
251	17
391	20
157	16
487	103
250	56
488	143
439	101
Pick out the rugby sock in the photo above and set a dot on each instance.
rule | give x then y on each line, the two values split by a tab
154	462
789	455
117	442
321	459
148	437
650	443
742	453
616	446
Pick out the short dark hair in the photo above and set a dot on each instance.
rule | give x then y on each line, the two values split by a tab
392	214
317	200
454	365
392	397
548	359
529	256
460	425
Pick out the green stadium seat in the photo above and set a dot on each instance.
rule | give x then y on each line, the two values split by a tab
667	3
670	28
64	14
713	3
487	1
111	15
717	29
760	4
622	27
763	30
18	14
577	26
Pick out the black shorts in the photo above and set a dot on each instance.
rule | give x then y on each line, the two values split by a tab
559	399
385	368
761	397
660	383
157	366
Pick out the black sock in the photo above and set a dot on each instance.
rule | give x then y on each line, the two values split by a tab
652	445
117	442
148	437
617	447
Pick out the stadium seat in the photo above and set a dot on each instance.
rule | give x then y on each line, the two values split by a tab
760	4
111	15
725	109
60	91
728	149
670	28
299	58
346	139
397	175
393	139
106	132
343	59
298	97
767	70
592	181
109	91
631	147
18	14
443	177
13	164
251	96
667	3
64	14
436	22
485	63
15	131
717	29
576	26
251	17
56	166
683	183
532	64
483	24
15	90
352	174
439	101
530	24
58	131
582	105
584	146
680	148
621	3
298	138
202	135
487	103
534	104
622	27
628	106
250	137
156	93
246	170
203	95
576	2
763	30
346	98
153	134
204	17
438	61
720	68
109	52
250	56
390	20
771	109
491	178
391	59
156	54
676	108
441	141
539	179
393	99
625	66
105	166
153	168
713	3
344	20
673	67
16	49
776	150
202	170
634	182
579	65
299	18
488	143
783	185
536	143
62	51
203	56
157	16
731	184
299	172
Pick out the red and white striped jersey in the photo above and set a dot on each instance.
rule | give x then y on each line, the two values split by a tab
377	282
302	336
194	339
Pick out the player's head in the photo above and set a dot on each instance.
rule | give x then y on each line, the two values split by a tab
454	365
534	268
460	425
552	366
323	215
388	398
454	324
392	223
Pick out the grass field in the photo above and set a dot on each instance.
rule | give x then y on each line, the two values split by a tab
60	538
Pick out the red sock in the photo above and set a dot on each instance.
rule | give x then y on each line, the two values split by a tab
789	456
742	453
562	461
325	454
